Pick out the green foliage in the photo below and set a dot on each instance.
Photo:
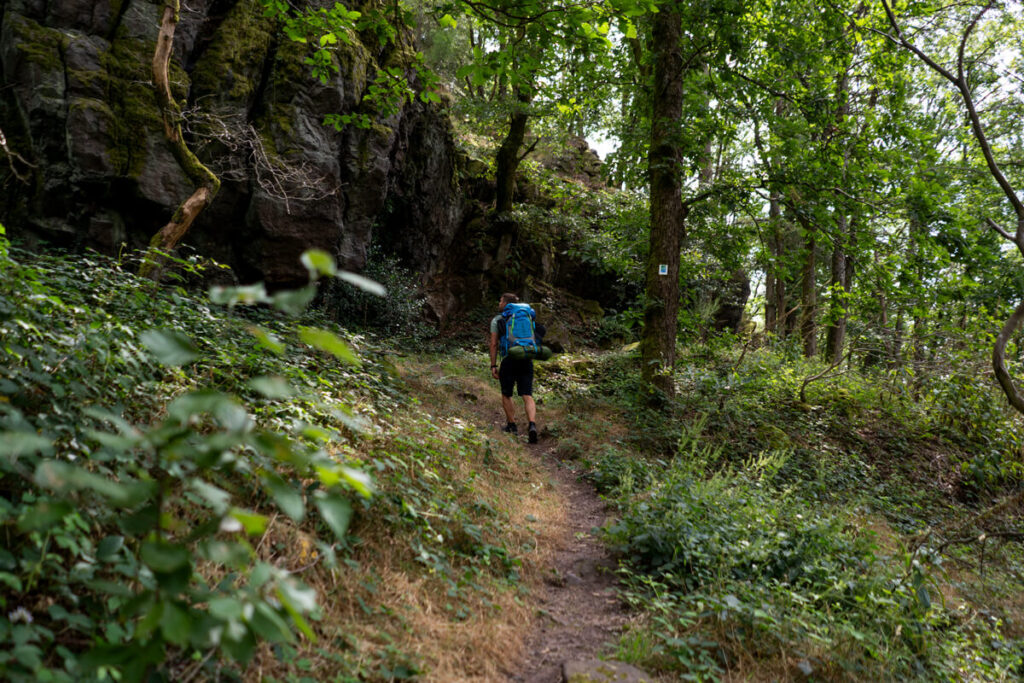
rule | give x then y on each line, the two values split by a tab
328	29
740	564
138	466
396	310
768	543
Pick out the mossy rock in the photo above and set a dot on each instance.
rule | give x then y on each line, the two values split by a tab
231	67
38	44
128	64
773	436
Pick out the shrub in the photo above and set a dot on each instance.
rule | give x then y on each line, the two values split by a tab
399	312
133	463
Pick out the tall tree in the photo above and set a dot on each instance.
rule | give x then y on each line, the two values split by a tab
959	75
668	214
683	75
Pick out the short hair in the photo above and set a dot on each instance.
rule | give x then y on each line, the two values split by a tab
509	298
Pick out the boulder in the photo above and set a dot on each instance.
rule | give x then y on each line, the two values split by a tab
599	671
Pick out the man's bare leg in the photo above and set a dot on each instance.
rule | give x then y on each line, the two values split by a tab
531	408
510	409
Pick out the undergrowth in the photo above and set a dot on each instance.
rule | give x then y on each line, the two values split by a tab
764	537
197	491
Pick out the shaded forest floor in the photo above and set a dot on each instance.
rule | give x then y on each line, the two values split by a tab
577	614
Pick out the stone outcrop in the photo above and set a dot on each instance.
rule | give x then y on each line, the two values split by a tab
599	671
80	106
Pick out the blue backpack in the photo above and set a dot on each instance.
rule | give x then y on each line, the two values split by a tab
520	331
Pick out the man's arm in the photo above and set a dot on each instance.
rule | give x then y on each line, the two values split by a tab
494	354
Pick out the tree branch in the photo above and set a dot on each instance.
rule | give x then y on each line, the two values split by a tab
14	156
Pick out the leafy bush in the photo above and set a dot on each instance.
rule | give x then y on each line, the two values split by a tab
132	463
395	311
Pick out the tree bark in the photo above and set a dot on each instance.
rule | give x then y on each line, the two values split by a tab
507	159
668	214
775	287
206	182
835	335
809	294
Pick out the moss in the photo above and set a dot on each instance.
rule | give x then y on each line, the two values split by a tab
87	78
232	64
353	60
128	63
39	44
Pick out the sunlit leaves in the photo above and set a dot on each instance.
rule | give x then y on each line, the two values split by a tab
138	457
329	342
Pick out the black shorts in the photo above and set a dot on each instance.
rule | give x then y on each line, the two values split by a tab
516	371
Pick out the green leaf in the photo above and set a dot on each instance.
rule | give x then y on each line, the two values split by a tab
319	263
231	296
363	283
163	557
272	387
299	595
61	477
224	407
44	515
267	340
329	342
328	39
358	480
226	608
336	511
108	548
170	347
286	597
176	623
286	497
253	523
293	301
11	581
13	445
269	625
110	588
448	21
217	497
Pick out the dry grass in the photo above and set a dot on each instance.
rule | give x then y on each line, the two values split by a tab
384	607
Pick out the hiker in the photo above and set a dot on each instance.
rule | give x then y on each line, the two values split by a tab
514	372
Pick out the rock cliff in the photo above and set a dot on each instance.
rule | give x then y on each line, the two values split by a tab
78	104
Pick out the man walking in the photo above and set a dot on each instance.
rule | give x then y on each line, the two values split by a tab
514	373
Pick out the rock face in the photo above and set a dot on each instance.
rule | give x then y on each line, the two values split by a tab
80	106
598	671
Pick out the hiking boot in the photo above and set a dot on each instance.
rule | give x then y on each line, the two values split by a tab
532	431
511	428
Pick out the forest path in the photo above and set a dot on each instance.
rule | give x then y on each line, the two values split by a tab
579	615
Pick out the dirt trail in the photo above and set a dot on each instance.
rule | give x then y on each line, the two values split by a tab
579	615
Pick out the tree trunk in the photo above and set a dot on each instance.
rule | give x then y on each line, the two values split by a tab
206	182
668	215
507	159
835	335
775	287
809	295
